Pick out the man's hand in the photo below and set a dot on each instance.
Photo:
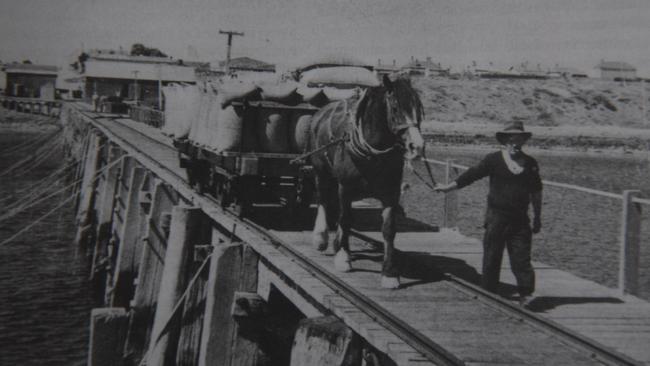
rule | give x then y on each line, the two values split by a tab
445	187
537	225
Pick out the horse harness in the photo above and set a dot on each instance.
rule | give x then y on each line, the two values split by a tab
356	142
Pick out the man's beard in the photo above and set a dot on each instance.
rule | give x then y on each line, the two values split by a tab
513	149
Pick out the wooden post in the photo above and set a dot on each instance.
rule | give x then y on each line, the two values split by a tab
233	267
630	244
105	205
85	212
107	332
450	216
149	271
184	222
128	258
118	222
325	341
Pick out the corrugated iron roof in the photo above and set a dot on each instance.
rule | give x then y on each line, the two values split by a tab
100	68
17	68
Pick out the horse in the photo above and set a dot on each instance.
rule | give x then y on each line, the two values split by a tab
363	143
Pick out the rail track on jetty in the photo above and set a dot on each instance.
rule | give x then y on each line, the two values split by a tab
250	232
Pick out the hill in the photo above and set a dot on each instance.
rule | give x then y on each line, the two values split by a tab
557	111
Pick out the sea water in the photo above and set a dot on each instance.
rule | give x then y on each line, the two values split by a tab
44	293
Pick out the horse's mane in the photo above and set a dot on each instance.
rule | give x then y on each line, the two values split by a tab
407	97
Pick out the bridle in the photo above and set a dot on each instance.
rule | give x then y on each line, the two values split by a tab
358	144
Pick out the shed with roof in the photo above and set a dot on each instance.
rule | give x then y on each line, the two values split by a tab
132	77
616	70
424	68
29	80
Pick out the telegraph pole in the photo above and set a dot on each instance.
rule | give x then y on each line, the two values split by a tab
230	35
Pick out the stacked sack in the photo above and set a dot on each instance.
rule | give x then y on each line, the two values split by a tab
219	125
181	106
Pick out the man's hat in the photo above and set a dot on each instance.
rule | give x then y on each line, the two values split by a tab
512	128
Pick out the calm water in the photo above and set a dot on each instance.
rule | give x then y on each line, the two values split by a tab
580	231
44	294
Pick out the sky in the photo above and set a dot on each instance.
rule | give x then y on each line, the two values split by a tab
453	32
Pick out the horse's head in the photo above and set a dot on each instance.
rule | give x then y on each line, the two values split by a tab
404	114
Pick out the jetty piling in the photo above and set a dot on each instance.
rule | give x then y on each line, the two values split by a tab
128	238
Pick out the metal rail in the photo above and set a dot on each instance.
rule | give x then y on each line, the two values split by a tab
409	335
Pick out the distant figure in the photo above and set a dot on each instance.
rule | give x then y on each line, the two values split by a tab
95	100
514	184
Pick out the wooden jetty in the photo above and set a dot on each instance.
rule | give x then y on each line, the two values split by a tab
181	280
32	105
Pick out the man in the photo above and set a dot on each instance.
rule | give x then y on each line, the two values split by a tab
514	184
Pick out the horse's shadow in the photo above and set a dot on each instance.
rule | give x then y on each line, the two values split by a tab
418	268
364	219
545	303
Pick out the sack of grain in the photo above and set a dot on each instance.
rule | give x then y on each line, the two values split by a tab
273	131
282	93
189	104
340	76
200	132
334	94
313	96
299	132
235	92
229	125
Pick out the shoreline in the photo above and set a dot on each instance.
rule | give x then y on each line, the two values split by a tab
564	140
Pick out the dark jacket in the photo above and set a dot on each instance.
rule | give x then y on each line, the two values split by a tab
509	193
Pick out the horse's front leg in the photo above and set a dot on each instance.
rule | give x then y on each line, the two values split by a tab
389	271
342	241
320	235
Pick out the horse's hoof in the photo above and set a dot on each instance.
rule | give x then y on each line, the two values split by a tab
389	282
320	241
342	261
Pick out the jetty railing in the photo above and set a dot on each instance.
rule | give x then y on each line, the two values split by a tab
147	115
628	228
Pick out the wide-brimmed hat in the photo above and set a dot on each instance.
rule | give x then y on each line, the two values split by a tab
512	128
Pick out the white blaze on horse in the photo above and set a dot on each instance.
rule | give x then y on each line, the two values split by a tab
379	131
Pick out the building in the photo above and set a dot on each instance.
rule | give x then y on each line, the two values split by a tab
110	73
383	69
29	81
424	68
616	70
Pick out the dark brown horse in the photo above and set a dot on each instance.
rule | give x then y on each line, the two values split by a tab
378	130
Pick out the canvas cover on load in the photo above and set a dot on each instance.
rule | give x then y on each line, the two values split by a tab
331	60
339	76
